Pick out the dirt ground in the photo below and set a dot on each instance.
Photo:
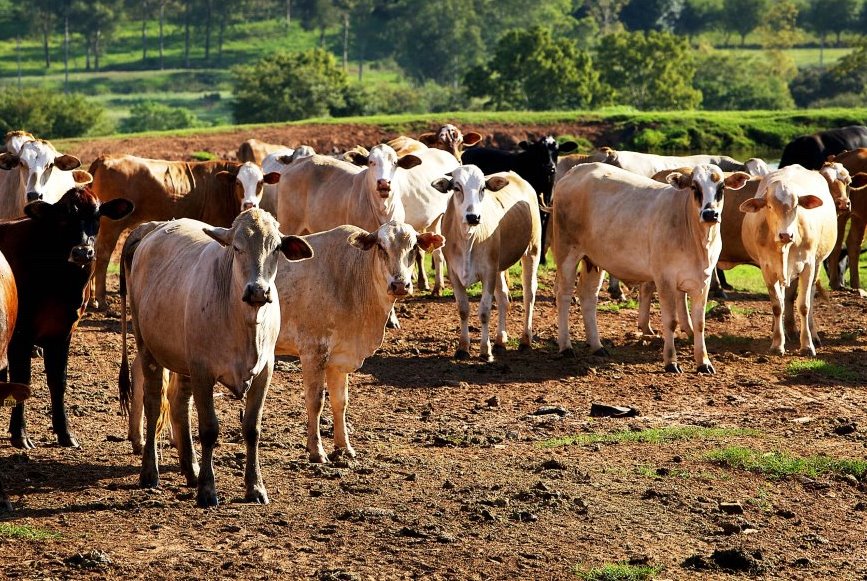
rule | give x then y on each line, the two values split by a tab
453	479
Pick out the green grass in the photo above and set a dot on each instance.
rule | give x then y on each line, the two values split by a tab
822	368
782	464
619	572
616	307
802	57
24	532
649	436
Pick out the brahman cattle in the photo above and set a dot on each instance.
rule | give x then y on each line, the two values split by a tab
36	172
204	306
491	222
639	230
51	255
447	138
13	141
790	227
278	162
855	162
255	151
649	164
211	191
811	151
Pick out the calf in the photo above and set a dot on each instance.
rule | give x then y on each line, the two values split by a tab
210	191
51	255
790	227
643	231
203	306
35	172
490	224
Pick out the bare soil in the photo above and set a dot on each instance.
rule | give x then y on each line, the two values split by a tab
453	478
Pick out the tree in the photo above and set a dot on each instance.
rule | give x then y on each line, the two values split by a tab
651	14
743	16
317	15
531	70
826	17
780	28
606	13
43	16
47	114
290	86
96	20
649	70
733	82
697	16
152	116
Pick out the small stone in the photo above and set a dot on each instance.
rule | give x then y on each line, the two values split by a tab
731	507
663	471
845	429
860	506
547	410
493	401
785	513
730	528
552	464
802	562
448	485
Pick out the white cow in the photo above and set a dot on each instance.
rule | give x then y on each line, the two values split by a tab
42	174
279	162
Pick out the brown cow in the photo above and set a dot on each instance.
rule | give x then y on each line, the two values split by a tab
209	191
856	162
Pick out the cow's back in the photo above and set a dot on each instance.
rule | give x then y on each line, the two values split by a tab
811	151
314	194
519	226
733	250
423	204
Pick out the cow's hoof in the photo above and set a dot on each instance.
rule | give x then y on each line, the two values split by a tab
673	368
137	448
207	499
601	352
727	286
462	354
348	451
817	342
36	352
566	354
808	351
499	349
67	440
257	495
436	291
777	350
719	294
98	304
5	505
525	347
192	480
23	442
149	480
318	457
489	358
706	368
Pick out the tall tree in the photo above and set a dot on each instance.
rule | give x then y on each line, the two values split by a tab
651	14
697	16
743	16
43	17
824	17
317	15
96	20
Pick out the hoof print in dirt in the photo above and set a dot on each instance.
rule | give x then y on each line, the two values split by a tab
729	560
336	575
94	559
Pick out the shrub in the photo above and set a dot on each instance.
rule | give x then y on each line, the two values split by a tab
47	114
730	82
152	116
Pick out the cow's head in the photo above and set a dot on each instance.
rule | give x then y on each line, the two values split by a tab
449	138
469	185
541	163
839	180
708	183
781	200
248	182
74	219
397	244
16	139
37	161
256	243
382	163
757	167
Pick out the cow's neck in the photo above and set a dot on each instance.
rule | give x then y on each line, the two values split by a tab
705	239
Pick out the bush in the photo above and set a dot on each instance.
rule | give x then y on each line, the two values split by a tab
152	116
730	82
49	115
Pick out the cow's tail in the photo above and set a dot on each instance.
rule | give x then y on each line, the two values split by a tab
123	381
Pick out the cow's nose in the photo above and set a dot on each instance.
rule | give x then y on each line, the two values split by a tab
785	237
248	205
82	254
710	215
33	196
383	186
473	219
844	205
400	288
256	295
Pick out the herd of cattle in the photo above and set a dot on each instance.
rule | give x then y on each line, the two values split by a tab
288	252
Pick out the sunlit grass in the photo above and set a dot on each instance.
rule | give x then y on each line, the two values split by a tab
24	532
821	367
781	464
619	572
649	436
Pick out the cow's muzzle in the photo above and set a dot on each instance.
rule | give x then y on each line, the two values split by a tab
710	215
474	219
82	255
256	295
399	288
785	237
383	188
248	205
33	196
844	205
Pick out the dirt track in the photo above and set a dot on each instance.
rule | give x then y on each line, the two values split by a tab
452	478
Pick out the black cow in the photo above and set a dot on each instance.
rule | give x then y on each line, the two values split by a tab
536	163
811	151
51	255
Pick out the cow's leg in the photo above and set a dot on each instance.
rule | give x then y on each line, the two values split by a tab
489	287
437	260
530	280
853	248
835	277
422	274
790	294
134	433
392	322
501	290
564	286
588	291
19	372
805	306
614	290
255	488
684	321
716	285
338	395
668	297
180	393
209	430
106	240
645	296
153	395
698	300
313	375
776	292
463	301
814	328
56	358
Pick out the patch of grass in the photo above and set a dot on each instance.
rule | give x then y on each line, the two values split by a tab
781	464
24	532
619	572
650	436
203	156
616	307
822	368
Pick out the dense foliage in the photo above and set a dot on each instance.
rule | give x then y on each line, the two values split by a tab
150	116
48	114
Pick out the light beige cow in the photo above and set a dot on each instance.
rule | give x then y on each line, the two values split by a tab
36	172
491	222
648	164
279	162
790	227
204	306
15	139
256	151
447	138
640	230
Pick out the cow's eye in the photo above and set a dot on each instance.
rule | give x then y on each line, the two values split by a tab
238	250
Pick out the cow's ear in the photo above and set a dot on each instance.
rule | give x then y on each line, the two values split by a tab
356	158
66	162
221	235
567	147
363	240
285	159
226	176
679	180
496	183
428	138
471	139
809	201
295	248
409	161
444	185
81	177
753	205
859	180
524	145
271	177
736	180
430	241
8	160
41	210
116	209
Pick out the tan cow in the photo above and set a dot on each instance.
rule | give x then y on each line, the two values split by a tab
211	191
643	231
447	138
15	139
790	227
279	162
36	172
255	151
855	162
491	222
204	306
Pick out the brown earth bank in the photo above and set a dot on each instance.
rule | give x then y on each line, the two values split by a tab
455	476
